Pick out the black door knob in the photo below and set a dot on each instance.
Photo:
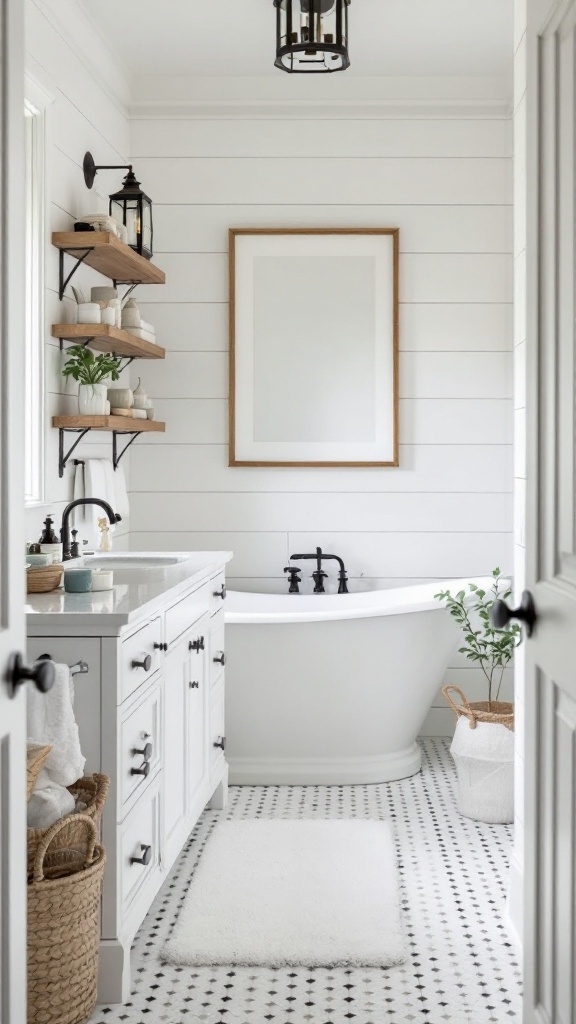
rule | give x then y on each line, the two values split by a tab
144	769
194	686
41	674
221	743
220	658
196	645
146	752
501	614
221	593
146	855
146	663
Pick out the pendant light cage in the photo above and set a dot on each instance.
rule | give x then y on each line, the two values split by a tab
312	36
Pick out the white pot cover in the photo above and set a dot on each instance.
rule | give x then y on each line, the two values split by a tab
484	759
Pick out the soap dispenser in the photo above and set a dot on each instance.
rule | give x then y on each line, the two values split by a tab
49	544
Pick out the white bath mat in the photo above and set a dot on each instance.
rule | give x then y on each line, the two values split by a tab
293	893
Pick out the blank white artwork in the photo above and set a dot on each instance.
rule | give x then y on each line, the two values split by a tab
314	341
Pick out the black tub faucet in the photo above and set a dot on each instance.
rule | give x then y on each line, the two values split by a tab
65	530
319	576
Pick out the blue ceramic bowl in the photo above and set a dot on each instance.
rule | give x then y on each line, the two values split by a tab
78	581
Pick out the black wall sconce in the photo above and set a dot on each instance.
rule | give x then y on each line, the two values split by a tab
312	36
131	206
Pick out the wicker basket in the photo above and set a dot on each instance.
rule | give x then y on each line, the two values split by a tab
495	712
41	579
36	755
91	791
64	927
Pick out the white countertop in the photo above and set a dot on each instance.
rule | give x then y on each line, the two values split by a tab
136	592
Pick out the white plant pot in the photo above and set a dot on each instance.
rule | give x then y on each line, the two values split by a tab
484	759
92	399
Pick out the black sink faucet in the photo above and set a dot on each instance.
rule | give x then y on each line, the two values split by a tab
319	576
65	530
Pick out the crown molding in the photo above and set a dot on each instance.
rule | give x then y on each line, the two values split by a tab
281	96
263	109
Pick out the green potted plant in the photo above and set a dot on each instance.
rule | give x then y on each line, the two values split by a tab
483	744
90	372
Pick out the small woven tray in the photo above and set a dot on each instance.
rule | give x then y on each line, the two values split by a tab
41	579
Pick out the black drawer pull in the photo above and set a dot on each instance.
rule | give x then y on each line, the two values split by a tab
220	658
220	593
144	769
221	743
196	645
146	855
146	663
161	647
194	686
146	752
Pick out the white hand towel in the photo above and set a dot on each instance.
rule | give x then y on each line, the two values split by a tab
122	506
95	487
78	515
50	718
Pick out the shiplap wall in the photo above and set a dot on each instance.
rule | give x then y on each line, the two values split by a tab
82	114
446	183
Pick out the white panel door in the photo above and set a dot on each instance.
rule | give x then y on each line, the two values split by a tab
550	812
12	631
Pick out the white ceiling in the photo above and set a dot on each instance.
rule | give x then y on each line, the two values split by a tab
236	37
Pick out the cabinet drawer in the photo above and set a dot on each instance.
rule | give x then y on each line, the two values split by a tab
140	845
217	728
140	744
217	648
184	614
140	657
217	592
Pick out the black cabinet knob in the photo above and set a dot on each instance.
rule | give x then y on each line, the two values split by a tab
161	647
221	743
220	658
41	674
194	686
146	855
196	645
146	663
146	752
221	593
501	614
144	769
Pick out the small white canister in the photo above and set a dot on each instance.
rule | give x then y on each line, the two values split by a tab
102	579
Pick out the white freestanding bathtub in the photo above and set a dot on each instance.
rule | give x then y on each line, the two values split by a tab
333	689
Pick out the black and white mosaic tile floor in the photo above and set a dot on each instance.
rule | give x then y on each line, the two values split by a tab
462	969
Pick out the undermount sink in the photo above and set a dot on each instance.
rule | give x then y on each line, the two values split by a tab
133	561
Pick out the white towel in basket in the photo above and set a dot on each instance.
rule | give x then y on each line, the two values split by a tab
51	720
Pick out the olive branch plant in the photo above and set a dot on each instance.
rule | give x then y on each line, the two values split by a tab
491	649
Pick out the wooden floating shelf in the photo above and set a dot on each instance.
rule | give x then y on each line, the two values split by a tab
109	256
122	424
104	338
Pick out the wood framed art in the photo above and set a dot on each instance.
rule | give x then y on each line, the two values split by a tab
314	346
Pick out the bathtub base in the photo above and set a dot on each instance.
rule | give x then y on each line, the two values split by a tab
325	771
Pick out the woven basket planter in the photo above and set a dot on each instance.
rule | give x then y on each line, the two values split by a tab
90	791
483	751
64	927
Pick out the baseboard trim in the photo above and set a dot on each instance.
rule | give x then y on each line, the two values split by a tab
325	771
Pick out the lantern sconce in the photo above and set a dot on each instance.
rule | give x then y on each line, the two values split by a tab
312	36
130	205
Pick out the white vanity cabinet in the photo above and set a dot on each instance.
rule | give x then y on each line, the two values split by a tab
151	716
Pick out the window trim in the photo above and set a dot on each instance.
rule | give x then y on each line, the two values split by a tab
38	101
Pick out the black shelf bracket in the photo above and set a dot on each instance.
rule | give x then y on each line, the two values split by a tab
116	456
64	282
62	455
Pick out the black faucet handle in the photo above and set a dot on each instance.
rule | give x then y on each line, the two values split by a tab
117	517
294	570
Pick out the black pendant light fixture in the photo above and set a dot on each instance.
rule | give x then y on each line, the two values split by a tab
130	206
312	36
